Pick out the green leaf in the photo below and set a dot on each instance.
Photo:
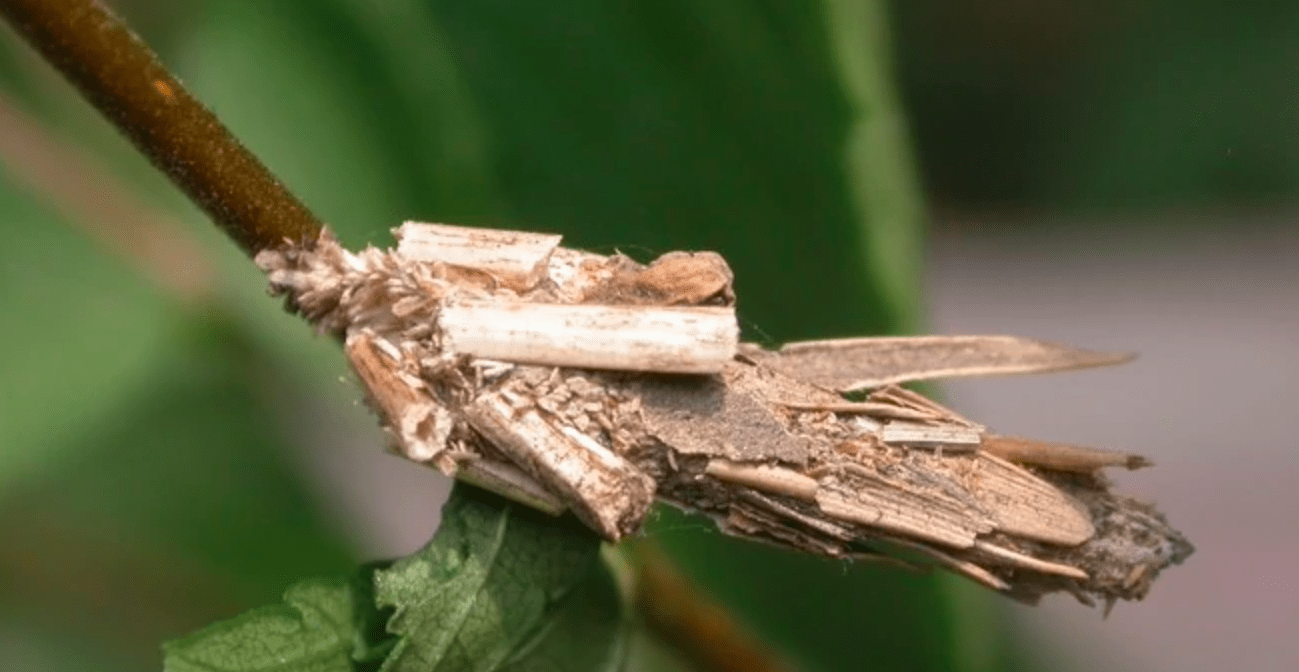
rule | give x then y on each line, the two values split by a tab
884	182
179	508
80	332
501	587
315	629
833	615
193	466
661	125
364	115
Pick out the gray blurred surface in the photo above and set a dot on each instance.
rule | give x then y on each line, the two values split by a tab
1212	306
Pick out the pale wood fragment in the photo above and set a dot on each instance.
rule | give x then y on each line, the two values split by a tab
969	569
897	511
1135	575
1027	506
825	527
915	434
577	274
666	339
518	258
676	278
874	408
760	524
774	480
421	424
1058	456
510	482
904	398
1029	562
857	363
604	490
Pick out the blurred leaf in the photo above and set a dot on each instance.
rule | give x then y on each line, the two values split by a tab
312	117
179	509
23	649
315	629
435	127
142	488
1187	105
81	331
195	464
501	588
1102	106
832	615
16	76
883	179
659	125
363	115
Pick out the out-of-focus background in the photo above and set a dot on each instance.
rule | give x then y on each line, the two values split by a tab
1121	175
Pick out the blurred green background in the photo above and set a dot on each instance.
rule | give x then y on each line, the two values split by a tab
149	479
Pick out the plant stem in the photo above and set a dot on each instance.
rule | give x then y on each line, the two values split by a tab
90	197
122	78
701	630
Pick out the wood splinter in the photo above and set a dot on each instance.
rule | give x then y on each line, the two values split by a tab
594	384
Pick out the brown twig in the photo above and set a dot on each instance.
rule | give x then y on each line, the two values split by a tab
701	630
93	199
125	81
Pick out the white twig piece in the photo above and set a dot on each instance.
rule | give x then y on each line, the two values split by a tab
421	425
914	434
668	339
517	258
541	373
773	480
603	489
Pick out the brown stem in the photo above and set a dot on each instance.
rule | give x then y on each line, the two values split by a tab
124	80
701	630
91	197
